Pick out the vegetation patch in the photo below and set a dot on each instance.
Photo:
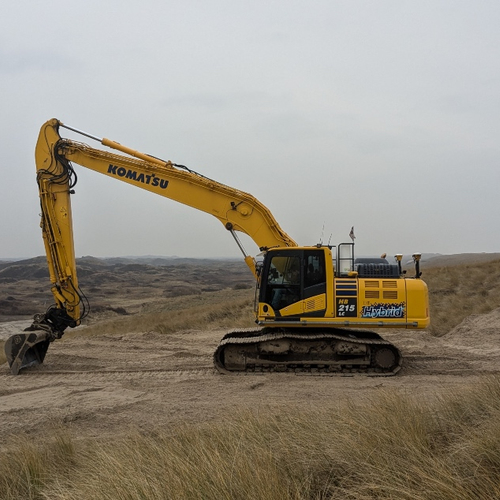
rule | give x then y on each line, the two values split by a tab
459	291
389	446
223	309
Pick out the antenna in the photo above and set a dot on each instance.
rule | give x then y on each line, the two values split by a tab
322	234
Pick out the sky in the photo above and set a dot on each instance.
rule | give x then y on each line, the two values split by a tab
382	115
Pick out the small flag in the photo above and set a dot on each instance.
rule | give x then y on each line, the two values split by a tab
351	234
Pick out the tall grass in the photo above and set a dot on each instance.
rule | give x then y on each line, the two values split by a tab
26	472
391	446
229	308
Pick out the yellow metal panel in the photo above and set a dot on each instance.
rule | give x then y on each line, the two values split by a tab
418	302
56	223
317	303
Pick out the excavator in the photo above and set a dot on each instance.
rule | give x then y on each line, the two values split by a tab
315	307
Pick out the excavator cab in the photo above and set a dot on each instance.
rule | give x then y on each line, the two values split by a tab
293	282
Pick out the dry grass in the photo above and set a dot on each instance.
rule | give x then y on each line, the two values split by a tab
227	308
392	446
459	291
3	359
26	472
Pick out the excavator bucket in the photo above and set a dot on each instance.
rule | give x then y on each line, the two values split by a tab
26	349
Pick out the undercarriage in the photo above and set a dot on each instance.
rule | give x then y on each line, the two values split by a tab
329	351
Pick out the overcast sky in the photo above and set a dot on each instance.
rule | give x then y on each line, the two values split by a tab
382	115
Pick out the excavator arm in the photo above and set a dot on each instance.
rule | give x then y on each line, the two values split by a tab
54	156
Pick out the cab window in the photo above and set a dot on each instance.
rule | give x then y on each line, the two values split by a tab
283	281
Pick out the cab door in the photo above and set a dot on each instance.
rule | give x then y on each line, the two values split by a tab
294	283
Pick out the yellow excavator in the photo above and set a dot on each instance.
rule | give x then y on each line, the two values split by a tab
315	305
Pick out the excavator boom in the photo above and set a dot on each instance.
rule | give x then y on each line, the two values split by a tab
237	210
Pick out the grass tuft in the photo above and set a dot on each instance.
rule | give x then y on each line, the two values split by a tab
28	467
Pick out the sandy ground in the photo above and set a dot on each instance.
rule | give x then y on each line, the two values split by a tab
9	328
102	385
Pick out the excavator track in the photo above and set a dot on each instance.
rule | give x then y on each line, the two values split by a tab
317	351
